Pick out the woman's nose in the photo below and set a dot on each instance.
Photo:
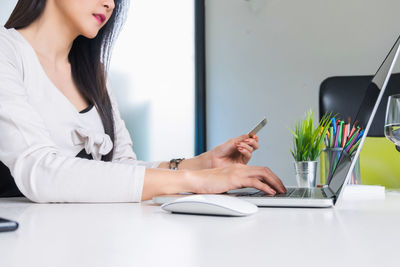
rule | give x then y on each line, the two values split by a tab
109	4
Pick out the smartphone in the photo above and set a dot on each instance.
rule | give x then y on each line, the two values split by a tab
258	127
7	225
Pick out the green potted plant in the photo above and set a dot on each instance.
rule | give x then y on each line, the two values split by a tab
308	140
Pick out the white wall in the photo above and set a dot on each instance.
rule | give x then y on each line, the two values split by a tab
268	57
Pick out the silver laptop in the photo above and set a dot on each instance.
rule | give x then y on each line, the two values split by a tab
331	194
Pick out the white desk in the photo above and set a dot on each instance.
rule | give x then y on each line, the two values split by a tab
361	233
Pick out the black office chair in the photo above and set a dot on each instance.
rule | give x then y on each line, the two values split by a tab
342	95
8	188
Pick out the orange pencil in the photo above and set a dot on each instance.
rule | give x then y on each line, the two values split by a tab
346	132
354	128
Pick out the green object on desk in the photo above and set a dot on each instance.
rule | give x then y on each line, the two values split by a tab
380	163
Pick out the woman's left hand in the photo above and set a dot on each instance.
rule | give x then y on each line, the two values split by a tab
236	150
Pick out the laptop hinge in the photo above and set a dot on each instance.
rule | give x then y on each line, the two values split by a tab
328	192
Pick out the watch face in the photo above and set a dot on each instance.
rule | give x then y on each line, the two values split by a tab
173	163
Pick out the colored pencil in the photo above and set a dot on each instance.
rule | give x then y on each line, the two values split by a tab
355	146
340	134
354	128
353	140
346	132
352	137
360	135
334	126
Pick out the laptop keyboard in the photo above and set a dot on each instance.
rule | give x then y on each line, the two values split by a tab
290	193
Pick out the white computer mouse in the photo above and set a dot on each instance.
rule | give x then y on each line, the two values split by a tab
211	205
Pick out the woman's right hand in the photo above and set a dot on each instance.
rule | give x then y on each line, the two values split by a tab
219	180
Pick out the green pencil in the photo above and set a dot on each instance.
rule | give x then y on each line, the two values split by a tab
354	147
354	134
340	134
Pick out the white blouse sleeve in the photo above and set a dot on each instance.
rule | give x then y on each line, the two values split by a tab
123	151
41	171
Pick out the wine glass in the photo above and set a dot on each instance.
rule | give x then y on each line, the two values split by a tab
392	120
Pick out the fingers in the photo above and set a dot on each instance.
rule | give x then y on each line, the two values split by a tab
267	176
241	138
274	180
256	137
238	176
245	152
255	183
245	146
244	137
249	142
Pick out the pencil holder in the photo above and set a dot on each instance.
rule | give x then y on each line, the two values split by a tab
329	159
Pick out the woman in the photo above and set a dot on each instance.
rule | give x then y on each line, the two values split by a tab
62	136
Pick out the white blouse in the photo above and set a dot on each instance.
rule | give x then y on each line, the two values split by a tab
41	132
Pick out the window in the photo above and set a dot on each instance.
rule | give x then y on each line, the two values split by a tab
152	75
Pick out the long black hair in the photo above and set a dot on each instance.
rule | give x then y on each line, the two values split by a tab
89	58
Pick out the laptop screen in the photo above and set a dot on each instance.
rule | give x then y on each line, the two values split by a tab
365	115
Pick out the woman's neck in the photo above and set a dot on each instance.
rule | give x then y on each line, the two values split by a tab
51	36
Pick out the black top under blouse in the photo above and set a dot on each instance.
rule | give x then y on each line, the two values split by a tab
82	153
86	109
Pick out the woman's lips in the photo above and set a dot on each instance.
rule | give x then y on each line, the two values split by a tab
100	17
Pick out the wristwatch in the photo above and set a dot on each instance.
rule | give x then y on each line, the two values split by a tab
173	163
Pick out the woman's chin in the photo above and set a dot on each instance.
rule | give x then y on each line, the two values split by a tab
90	33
